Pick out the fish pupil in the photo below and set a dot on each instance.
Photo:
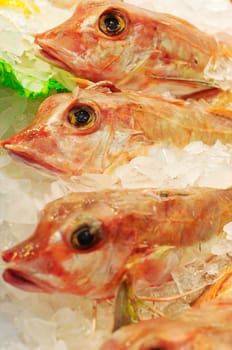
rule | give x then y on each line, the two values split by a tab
82	116
85	238
111	24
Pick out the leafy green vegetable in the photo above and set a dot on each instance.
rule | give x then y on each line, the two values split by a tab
9	79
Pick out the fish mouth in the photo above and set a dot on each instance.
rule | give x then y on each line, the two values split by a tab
21	280
52	58
29	159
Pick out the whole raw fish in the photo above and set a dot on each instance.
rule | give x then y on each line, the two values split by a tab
137	49
207	328
96	129
86	243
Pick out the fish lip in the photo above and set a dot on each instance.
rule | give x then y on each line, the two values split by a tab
21	280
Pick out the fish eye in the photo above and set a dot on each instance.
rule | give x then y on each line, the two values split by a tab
82	116
85	237
112	23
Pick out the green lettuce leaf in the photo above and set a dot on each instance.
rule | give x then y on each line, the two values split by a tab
8	78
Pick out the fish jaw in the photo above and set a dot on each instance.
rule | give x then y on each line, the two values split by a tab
22	264
21	280
58	55
52	59
30	269
33	148
62	157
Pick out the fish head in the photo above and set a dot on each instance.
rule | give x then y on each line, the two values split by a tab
72	133
134	48
80	246
103	40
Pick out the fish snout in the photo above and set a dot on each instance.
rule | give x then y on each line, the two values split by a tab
8	255
62	47
20	145
19	253
40	38
35	147
44	39
50	49
58	33
24	136
23	265
11	141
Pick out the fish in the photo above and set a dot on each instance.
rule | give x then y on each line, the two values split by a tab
86	243
137	49
209	327
97	129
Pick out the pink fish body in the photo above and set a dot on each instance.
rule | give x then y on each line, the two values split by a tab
207	328
95	130
86	242
137	49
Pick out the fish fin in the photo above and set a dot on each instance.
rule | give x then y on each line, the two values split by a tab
181	88
222	112
174	101
207	95
124	306
82	83
222	105
104	86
